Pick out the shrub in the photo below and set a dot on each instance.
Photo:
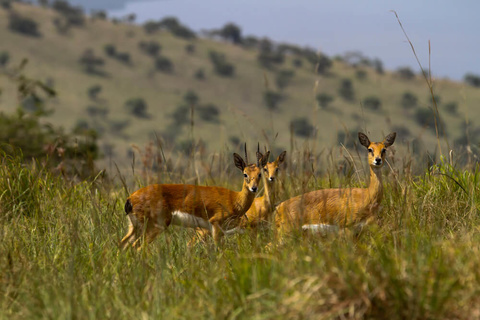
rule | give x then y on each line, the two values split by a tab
164	64
425	118
220	64
23	25
176	28
137	107
231	32
346	90
94	91
361	74
372	103
190	48
437	99
324	99
409	100
123	57
209	113
323	64
302	127
151	48
283	78
405	73
378	66
181	115
91	62
191	98
97	111
297	62
110	50
272	99
472	80
4	58
73	15
199	74
451	107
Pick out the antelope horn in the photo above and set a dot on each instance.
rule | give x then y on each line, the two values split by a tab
246	156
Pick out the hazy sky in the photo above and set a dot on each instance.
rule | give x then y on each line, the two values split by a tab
336	27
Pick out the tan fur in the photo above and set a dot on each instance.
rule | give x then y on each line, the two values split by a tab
342	206
262	207
152	206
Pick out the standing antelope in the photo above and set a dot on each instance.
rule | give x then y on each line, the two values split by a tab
262	207
153	208
325	208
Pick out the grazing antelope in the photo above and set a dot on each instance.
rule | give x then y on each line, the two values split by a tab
318	210
262	207
153	208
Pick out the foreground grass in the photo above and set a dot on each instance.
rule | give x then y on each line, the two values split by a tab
59	258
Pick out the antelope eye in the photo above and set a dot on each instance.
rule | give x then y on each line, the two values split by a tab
276	169
370	150
245	175
259	175
383	150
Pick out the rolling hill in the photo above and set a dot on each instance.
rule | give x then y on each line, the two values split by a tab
228	109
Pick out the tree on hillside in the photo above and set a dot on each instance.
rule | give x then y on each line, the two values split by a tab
4	58
137	107
164	64
220	64
409	100
23	25
231	32
94	91
472	79
405	73
272	99
283	78
91	63
151	48
324	99
73	15
302	127
346	90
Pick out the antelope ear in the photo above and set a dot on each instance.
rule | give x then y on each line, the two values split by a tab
390	139
239	163
281	157
364	141
264	160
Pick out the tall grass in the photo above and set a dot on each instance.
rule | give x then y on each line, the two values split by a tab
59	256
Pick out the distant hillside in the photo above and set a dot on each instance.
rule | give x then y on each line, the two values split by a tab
114	77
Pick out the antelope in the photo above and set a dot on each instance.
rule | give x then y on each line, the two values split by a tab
152	209
262	207
328	209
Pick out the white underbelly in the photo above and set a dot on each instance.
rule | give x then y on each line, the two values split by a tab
323	229
187	220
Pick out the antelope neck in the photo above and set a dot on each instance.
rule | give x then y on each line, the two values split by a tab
375	189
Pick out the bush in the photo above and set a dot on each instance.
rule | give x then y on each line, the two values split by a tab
405	73
425	118
123	57
164	64
94	91
209	113
472	79
151	48
171	24
437	99
73	15
220	64
297	62
378	66
267	56
409	100
372	103
90	62
137	107
451	107
231	32
181	115
110	50
324	99
97	111
323	64
191	98
23	25
361	74
283	78
190	48
346	90
272	99
199	74
4	58
302	127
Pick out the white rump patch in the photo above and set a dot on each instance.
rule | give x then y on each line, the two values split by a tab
236	230
187	220
323	229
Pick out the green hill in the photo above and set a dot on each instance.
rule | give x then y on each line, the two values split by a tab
240	99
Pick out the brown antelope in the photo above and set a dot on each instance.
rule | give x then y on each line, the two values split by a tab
262	207
153	208
318	210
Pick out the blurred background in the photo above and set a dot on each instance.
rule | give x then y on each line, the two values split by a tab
112	82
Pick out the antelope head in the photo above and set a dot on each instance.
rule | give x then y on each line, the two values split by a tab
376	150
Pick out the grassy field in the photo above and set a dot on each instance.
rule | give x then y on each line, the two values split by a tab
60	259
243	114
